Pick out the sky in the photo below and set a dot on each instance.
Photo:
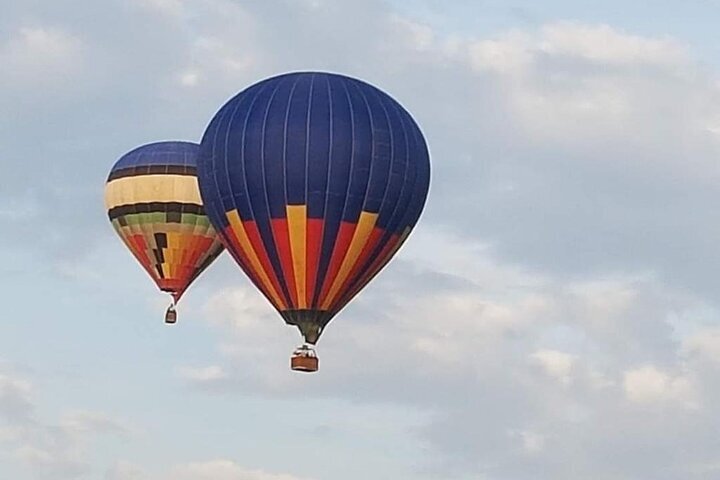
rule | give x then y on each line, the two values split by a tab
555	315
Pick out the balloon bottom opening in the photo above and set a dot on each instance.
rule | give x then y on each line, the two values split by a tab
304	359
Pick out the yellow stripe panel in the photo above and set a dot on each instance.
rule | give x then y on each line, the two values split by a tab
238	230
365	225
152	188
297	227
379	267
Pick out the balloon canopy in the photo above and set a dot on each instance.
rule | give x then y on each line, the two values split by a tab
154	204
313	181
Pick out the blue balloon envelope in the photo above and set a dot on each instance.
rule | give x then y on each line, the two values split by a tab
313	181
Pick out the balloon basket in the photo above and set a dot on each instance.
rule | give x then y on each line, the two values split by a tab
304	359
171	315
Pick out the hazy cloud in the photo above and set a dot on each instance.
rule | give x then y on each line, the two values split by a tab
222	470
48	449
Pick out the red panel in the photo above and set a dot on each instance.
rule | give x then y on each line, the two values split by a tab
184	270
185	252
184	274
170	284
259	247
195	250
138	243
197	247
363	260
138	247
282	244
377	264
342	242
314	243
233	246
202	247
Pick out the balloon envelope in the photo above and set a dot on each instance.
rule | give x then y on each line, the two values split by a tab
313	181
154	204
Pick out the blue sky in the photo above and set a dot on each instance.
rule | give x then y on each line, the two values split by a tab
554	315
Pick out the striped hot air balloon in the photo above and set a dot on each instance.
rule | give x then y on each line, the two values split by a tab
154	204
313	180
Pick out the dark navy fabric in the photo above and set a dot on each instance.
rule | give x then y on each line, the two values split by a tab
296	132
160	153
382	154
363	145
319	147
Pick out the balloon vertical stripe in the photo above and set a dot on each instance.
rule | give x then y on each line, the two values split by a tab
297	222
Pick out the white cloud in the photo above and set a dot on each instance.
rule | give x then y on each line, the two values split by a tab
224	51
123	470
83	422
222	470
705	343
418	36
203	375
15	397
648	385
516	52
38	55
54	449
170	8
532	442
219	57
557	364
508	55
605	44
50	462
313	4
607	296
189	79
219	469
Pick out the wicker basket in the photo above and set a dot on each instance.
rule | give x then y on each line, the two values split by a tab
170	315
301	363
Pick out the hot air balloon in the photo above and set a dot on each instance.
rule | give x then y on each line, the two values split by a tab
313	181
153	201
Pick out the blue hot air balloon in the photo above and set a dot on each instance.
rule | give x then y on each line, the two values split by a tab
313	181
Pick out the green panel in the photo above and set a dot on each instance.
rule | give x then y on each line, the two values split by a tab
203	220
136	218
147	222
189	218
